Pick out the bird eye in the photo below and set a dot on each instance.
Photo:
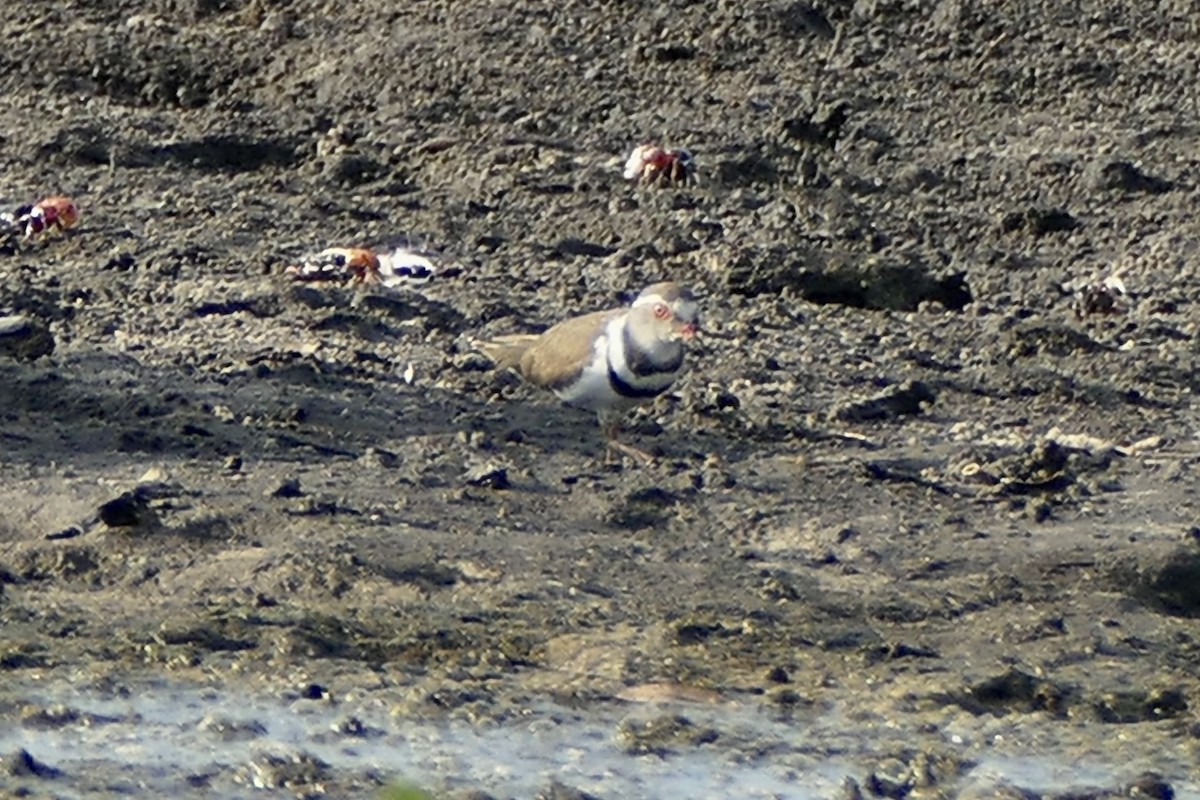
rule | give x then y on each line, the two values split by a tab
661	311
339	260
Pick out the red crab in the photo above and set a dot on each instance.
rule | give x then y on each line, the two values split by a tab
649	164
54	213
357	265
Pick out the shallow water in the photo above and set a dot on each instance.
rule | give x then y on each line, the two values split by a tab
172	740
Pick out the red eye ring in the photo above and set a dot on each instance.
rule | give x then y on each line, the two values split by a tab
661	311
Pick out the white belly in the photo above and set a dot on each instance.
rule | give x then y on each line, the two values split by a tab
592	391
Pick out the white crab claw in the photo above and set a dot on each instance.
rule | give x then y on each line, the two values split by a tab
403	267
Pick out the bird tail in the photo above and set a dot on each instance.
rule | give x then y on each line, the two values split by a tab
505	351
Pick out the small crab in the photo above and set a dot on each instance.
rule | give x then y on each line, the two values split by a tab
650	164
1100	297
50	214
360	265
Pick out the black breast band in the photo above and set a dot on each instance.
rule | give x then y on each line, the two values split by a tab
626	389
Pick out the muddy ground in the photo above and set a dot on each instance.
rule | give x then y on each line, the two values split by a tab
904	479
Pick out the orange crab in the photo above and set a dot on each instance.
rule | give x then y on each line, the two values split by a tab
359	265
649	164
56	213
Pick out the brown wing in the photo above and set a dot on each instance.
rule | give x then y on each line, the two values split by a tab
557	357
505	351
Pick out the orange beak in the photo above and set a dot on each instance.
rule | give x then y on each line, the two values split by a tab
688	331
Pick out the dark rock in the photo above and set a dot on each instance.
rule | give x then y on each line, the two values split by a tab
87	145
779	675
1015	691
129	510
822	127
62	561
353	726
66	533
641	509
53	717
200	780
660	736
891	779
231	730
674	52
560	791
1126	177
913	177
24	339
403	306
488	476
578	247
1039	221
910	397
1151	786
1134	706
427	574
696	632
450	697
122	262
1173	585
263	307
1001	791
167	73
352	169
1046	338
900	285
296	771
801	19
748	169
379	458
850	790
226	153
288	488
314	691
22	764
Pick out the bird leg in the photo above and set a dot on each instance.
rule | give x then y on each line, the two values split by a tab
611	425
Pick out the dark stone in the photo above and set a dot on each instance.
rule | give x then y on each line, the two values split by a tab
24	339
1015	691
779	675
1039	221
288	488
1152	786
560	791
1174	586
22	764
488	476
641	509
1124	176
314	691
571	246
902	399
128	510
822	127
800	19
352	169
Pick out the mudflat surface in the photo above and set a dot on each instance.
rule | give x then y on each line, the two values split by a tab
915	479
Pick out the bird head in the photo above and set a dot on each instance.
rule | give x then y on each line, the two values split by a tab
667	312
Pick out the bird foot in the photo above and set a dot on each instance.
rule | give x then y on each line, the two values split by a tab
629	450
